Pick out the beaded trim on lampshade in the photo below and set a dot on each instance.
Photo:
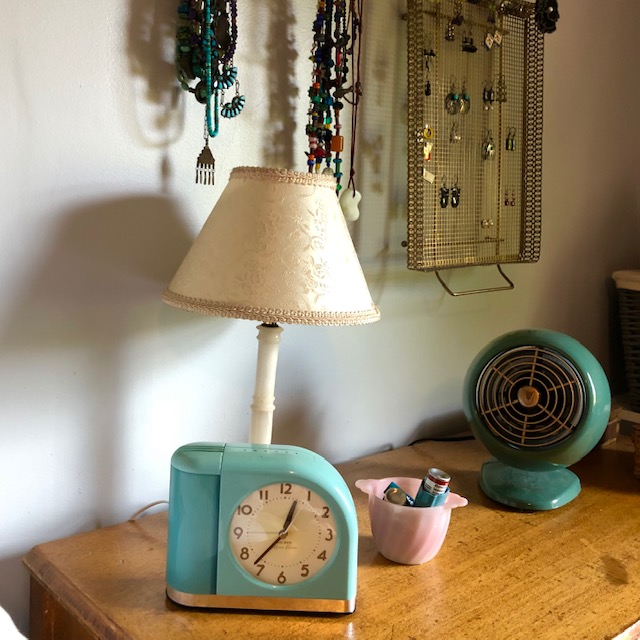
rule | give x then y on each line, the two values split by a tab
275	248
270	316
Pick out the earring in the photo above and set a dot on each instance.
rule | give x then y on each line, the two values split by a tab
455	196
456	21
450	33
233	108
226	78
509	202
427	146
465	99
488	96
454	136
427	57
459	18
426	150
510	143
488	147
467	43
501	90
488	41
444	195
452	102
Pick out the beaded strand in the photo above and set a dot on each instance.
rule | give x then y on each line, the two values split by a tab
332	46
206	38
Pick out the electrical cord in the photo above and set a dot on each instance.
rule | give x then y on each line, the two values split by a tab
460	438
139	512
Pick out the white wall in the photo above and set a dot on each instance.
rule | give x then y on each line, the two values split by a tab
101	381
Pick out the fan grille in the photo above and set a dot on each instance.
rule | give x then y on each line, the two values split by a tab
530	397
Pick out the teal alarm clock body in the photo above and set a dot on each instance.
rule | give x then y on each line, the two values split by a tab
260	527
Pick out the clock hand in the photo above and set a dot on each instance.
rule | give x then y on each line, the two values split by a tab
288	519
282	534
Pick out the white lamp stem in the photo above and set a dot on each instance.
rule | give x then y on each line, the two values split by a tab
264	393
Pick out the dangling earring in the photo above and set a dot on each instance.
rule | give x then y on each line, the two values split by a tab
454	136
450	33
465	99
458	18
467	43
488	41
233	108
455	195
427	145
488	148
510	143
444	195
452	102
501	90
427	56
488	96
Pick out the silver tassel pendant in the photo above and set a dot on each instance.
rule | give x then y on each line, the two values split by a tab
205	166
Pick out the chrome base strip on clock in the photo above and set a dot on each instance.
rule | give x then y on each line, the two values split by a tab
263	603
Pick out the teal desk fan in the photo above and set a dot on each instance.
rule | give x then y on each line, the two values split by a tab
539	401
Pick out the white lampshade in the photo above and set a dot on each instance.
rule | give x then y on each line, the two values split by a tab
275	248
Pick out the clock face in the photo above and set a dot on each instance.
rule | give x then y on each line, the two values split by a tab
283	533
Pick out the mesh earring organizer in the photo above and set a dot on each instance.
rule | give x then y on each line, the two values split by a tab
497	217
539	401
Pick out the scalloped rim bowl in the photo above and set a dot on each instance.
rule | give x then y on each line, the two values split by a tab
407	535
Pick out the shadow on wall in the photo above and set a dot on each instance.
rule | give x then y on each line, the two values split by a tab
154	104
107	262
281	87
105	258
447	426
151	52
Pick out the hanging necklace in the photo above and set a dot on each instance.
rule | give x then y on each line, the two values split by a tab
206	37
335	32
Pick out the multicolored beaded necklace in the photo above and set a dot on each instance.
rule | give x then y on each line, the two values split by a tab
335	33
206	37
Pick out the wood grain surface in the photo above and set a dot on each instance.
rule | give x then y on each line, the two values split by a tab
573	573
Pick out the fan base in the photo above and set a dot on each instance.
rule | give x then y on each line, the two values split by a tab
529	490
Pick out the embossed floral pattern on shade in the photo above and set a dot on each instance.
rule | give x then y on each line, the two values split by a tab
275	248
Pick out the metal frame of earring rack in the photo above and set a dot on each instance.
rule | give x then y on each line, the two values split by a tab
434	242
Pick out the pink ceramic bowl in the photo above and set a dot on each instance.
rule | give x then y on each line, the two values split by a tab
407	535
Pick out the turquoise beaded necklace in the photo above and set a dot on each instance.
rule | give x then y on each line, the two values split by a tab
206	37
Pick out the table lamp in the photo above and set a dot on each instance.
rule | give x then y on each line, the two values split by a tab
275	249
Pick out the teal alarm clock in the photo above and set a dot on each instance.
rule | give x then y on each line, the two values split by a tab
260	526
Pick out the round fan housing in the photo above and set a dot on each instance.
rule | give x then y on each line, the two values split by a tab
539	401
